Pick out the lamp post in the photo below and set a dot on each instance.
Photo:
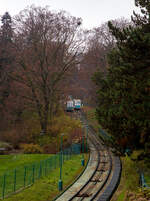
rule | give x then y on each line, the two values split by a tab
86	138
60	183
82	161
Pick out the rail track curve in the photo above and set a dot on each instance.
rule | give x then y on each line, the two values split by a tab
103	172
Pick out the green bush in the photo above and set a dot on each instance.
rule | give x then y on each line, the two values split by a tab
31	149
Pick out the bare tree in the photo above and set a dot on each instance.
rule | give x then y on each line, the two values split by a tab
99	43
47	46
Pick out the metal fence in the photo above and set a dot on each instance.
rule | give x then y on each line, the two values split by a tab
143	182
22	177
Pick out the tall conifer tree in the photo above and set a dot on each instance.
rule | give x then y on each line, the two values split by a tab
124	95
6	58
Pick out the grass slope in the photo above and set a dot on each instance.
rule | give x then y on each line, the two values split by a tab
46	188
10	162
129	188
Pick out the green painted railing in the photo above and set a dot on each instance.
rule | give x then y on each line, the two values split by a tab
25	176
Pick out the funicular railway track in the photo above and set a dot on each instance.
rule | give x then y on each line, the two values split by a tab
102	172
97	181
105	173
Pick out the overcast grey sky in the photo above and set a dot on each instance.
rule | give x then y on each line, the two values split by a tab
93	12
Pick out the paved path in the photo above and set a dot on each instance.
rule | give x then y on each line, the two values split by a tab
83	179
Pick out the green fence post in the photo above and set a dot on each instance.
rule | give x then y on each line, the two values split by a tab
63	157
51	167
69	154
66	154
54	165
15	180
55	161
33	170
82	161
86	138
40	170
60	182
45	167
25	172
49	162
4	184
57	164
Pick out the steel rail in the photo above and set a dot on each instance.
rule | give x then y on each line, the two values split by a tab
100	186
95	182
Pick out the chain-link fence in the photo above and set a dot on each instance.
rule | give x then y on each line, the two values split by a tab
24	176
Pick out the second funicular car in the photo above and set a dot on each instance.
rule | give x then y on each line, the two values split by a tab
70	106
77	104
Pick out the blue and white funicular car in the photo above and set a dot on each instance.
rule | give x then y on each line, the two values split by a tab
77	104
70	106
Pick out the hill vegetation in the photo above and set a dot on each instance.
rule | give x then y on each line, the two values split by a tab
124	92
